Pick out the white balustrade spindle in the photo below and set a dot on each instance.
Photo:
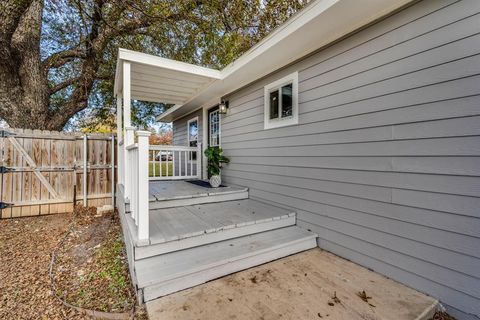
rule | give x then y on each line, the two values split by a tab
175	162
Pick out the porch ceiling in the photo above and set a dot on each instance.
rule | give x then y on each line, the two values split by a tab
156	79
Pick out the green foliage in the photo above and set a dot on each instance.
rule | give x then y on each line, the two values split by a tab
215	158
206	33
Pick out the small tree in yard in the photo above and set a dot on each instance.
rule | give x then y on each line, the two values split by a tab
164	137
57	57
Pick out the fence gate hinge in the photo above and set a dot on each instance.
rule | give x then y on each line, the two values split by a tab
6	134
6	169
4	205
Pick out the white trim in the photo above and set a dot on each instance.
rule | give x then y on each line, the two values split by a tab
126	94
219	143
318	24
187	114
188	129
151	60
204	140
312	10
277	85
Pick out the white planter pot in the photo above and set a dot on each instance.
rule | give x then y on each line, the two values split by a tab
215	181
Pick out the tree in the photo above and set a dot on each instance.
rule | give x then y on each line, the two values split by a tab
163	137
57	57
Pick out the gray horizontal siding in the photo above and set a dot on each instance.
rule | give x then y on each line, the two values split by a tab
384	163
180	128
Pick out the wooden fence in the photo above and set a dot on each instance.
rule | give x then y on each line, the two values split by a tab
44	172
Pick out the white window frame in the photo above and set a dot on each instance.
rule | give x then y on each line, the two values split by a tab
188	130
188	137
210	129
277	85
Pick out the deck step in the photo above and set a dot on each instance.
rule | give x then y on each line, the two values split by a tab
193	197
175	271
180	228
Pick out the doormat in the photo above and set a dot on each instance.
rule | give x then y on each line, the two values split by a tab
202	183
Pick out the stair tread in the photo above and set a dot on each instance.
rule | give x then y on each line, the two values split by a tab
175	190
177	264
171	224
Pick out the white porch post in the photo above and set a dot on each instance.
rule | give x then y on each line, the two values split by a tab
126	94
143	205
128	140
120	156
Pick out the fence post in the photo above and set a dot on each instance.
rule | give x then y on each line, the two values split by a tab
129	140
113	170
143	205
85	169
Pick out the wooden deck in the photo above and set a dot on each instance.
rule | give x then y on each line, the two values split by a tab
301	286
198	233
183	227
170	194
169	190
190	221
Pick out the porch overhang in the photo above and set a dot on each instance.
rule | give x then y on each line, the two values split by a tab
156	79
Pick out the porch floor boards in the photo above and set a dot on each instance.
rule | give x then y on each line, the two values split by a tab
170	190
171	272
177	223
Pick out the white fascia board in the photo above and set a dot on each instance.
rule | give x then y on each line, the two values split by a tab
151	60
317	25
311	11
167	115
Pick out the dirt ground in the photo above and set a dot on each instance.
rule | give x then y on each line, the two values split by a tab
91	268
84	269
25	248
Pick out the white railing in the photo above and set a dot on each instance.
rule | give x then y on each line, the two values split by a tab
175	162
136	180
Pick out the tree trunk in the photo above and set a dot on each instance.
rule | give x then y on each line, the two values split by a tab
24	91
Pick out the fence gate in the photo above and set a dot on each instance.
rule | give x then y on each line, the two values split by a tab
42	172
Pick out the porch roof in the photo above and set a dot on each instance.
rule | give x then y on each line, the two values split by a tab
156	79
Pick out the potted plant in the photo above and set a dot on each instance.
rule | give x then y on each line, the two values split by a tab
215	159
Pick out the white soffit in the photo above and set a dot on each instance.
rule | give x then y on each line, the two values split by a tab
157	79
318	24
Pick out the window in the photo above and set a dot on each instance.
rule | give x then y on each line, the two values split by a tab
214	128
192	132
281	102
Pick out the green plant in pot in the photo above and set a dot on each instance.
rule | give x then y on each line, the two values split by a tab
215	159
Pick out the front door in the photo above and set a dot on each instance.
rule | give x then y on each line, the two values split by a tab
213	127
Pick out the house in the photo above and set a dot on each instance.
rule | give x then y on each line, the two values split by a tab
354	121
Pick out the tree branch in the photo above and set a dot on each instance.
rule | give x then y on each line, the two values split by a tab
58	59
63	85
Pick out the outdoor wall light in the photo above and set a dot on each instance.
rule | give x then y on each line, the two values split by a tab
223	107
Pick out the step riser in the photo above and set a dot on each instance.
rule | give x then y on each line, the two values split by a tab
199	277
161	248
195	200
